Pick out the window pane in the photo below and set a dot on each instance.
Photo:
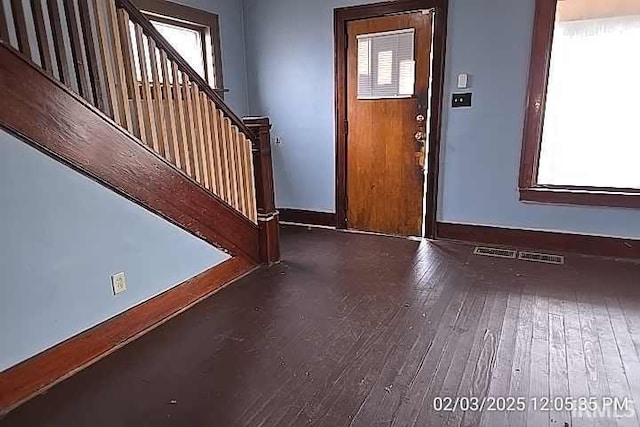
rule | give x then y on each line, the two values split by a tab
386	66
363	57
407	77
591	134
186	41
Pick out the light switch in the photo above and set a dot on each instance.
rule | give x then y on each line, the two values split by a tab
463	81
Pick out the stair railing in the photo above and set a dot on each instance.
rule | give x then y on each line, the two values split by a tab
109	53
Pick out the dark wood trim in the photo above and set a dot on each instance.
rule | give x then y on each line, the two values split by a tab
268	216
78	54
52	118
89	40
147	27
64	71
4	26
269	226
20	25
341	17
543	26
208	21
37	374
301	216
42	39
437	102
608	198
263	168
542	240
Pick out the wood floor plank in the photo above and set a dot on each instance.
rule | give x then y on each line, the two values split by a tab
501	374
360	330
626	349
373	358
400	372
612	359
631	311
355	331
594	361
371	375
465	376
539	367
576	365
400	366
521	362
485	363
469	316
445	311
351	338
558	371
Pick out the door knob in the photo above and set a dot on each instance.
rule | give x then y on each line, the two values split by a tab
420	136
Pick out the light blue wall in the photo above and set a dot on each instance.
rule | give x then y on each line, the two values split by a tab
61	238
290	63
290	79
233	50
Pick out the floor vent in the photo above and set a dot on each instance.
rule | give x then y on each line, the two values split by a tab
495	252
540	257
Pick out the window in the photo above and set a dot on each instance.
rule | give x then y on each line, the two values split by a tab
187	41
582	133
386	65
193	33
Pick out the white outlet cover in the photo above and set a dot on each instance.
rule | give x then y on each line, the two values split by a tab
118	283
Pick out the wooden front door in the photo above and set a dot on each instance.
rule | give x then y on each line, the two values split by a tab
387	92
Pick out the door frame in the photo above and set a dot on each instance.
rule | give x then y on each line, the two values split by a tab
341	17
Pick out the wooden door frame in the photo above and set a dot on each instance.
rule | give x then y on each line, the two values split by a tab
341	17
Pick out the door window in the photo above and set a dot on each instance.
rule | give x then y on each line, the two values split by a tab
386	65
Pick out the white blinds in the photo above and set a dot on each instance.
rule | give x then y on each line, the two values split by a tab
386	65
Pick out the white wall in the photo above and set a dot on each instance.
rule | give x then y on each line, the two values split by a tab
62	236
290	59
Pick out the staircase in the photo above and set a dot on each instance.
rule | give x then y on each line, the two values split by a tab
94	85
104	92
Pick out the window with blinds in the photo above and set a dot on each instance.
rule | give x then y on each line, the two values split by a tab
386	65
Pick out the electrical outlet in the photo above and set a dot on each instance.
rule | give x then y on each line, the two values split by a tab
118	283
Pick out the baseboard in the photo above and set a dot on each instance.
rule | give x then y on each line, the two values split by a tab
301	216
37	374
551	241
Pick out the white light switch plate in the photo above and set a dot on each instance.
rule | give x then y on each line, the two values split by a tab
463	81
118	283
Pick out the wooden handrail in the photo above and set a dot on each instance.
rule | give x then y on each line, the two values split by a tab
147	27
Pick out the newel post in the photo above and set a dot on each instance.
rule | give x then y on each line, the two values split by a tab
268	216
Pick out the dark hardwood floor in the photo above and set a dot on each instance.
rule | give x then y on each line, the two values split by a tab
365	330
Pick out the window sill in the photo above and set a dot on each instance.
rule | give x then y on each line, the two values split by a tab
569	196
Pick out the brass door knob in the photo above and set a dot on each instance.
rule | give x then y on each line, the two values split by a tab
420	136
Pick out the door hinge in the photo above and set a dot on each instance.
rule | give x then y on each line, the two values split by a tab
346	127
346	41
